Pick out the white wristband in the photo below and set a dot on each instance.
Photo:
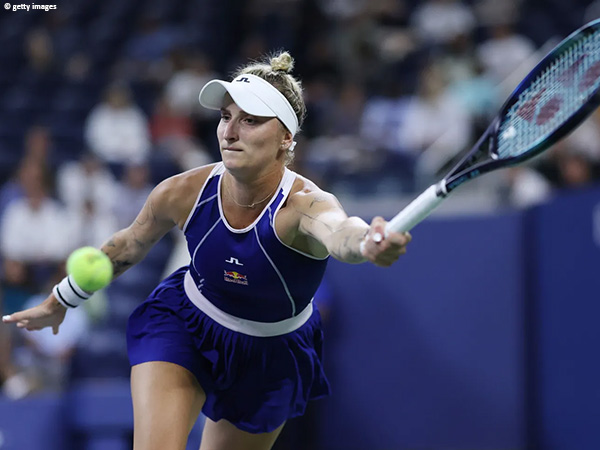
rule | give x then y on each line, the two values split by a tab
69	294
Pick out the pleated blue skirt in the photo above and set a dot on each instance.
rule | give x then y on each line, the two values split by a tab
256	383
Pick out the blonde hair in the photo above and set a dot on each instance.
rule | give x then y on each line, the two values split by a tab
276	69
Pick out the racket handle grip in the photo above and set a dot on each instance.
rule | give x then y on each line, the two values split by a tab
416	211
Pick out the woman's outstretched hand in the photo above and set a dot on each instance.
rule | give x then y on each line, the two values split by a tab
384	250
49	313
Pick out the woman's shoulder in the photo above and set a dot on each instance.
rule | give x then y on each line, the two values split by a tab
304	190
179	192
303	186
191	178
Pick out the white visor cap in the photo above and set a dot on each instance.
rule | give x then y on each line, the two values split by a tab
253	95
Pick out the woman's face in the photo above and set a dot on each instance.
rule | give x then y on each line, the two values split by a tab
248	141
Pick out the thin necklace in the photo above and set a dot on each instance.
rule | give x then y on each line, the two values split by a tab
252	205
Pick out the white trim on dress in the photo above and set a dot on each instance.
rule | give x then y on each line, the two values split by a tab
249	327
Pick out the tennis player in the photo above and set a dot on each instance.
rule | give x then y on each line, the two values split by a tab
234	334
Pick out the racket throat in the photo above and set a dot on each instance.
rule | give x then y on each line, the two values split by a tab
441	189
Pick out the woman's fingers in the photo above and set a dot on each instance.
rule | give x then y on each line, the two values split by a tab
384	250
18	316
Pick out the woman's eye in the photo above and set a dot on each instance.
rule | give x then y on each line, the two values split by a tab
250	120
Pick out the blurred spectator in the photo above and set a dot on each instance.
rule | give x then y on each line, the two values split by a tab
384	149
132	191
77	67
478	95
504	52
337	151
91	225
15	383
176	148
491	12
336	158
525	187
384	116
152	40
320	60
468	82
117	130
15	289
29	169
392	13
568	166
436	126
342	9
45	358
277	21
177	154
575	170
319	94
32	92
12	385
33	242
459	61
182	90
347	110
586	138
437	22
167	121
84	180
146	53
38	144
35	227
33	165
253	46
39	52
66	36
356	46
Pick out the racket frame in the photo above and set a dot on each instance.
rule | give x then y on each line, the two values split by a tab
468	167
456	176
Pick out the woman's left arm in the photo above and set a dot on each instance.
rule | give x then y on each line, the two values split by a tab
348	239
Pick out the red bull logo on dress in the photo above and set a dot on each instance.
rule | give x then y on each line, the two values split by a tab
235	277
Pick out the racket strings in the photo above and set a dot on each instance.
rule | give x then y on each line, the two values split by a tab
554	96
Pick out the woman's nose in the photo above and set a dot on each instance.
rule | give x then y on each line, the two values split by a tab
230	132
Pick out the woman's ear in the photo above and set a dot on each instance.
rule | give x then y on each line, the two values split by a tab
287	140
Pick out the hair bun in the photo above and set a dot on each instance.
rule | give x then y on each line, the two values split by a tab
282	62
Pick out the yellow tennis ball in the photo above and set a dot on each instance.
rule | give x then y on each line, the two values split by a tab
90	268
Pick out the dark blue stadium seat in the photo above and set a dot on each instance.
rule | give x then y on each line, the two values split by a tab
76	98
17	98
10	155
67	148
67	122
82	11
145	95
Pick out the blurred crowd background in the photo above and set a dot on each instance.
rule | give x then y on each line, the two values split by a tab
98	103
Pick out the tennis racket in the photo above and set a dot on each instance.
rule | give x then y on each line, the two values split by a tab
552	100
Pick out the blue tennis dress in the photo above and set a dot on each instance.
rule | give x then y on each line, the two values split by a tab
240	317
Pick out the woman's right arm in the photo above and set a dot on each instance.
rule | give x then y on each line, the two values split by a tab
130	245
